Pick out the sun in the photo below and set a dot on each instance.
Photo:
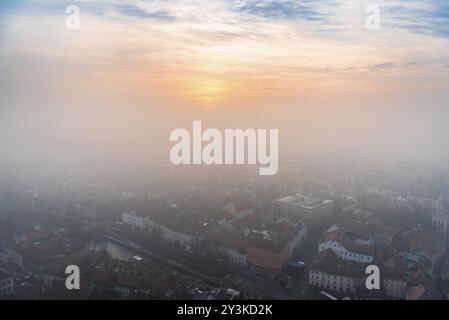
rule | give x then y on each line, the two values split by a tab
209	91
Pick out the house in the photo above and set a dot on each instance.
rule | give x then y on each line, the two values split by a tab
304	206
440	222
34	255
174	227
126	284
426	200
269	251
383	237
55	271
231	246
6	284
330	272
393	275
359	231
418	247
133	219
346	247
239	209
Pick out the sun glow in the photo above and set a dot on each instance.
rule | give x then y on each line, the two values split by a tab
209	91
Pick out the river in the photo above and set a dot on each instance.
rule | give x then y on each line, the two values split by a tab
115	250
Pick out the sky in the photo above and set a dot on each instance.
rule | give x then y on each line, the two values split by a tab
137	69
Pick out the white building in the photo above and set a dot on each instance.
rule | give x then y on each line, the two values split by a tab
332	273
229	245
133	219
346	248
181	238
6	284
234	256
173	227
304	206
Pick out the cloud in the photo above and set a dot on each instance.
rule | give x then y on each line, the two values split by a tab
428	17
383	66
300	10
247	44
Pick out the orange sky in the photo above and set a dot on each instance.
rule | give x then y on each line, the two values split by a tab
219	53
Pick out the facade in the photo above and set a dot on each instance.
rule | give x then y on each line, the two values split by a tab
173	227
346	248
268	252
383	238
394	287
178	237
133	219
330	272
228	245
235	256
6	284
440	222
170	226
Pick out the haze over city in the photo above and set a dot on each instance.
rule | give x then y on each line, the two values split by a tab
87	112
136	70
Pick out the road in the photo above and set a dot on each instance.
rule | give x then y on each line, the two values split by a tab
248	285
257	287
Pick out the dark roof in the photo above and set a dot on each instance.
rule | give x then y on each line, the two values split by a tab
347	242
329	263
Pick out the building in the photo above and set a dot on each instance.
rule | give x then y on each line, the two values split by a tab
304	206
368	233
6	284
230	246
239	210
360	232
440	222
395	288
330	272
426	199
418	249
133	219
394	280
174	227
383	237
269	251
346	247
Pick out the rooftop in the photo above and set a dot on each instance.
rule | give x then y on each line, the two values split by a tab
348	242
329	263
301	201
